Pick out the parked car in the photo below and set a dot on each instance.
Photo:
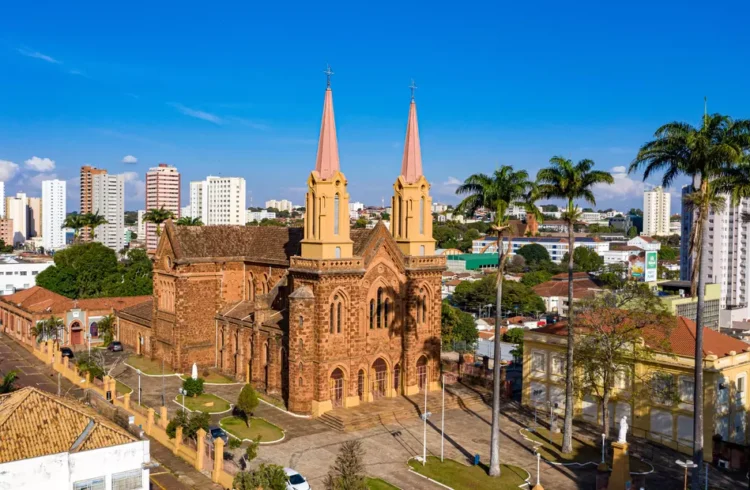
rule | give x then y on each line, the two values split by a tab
218	433
295	481
115	346
66	352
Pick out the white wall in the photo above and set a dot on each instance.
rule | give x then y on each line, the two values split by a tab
53	214
61	471
14	277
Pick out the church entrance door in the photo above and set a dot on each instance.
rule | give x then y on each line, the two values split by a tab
337	388
422	372
380	382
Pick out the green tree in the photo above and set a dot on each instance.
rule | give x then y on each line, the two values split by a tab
93	221
251	451
565	180
534	253
8	383
515	336
497	193
457	326
361	223
188	221
348	471
193	387
190	424
385	216
247	402
585	260
266	477
709	155
635	212
157	217
106	327
668	253
632	232
531	279
75	222
48	329
271	222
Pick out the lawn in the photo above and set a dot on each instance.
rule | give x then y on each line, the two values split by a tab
258	427
584	451
147	366
462	477
213	377
122	388
205	403
378	484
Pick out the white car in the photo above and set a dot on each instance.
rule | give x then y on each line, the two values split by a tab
295	481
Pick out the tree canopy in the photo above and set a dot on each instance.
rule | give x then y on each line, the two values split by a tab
534	253
470	295
91	270
585	259
457	326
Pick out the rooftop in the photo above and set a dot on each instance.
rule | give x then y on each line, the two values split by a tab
37	299
34	423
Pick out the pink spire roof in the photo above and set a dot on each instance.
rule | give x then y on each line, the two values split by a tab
327	162
411	166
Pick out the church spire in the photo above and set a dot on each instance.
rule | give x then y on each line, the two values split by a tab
327	162
411	165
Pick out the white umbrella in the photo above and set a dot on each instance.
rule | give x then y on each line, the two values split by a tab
195	371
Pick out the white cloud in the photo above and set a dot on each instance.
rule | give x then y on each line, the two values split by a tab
40	56
452	181
40	164
8	170
36	180
448	188
206	116
623	188
129	159
135	189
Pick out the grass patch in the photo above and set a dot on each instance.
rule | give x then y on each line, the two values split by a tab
258	427
205	403
584	451
378	484
213	377
147	366
122	388
462	477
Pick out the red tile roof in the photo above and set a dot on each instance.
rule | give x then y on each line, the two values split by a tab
40	300
583	286
681	338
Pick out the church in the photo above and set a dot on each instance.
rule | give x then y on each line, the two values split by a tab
322	316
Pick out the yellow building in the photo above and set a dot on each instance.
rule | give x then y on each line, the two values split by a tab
666	421
676	296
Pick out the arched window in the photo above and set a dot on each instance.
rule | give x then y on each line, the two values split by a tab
264	286
380	307
337	315
251	288
421	250
386	308
300	382
421	216
338	318
337	252
331	319
400	214
372	313
336	214
301	368
301	324
419	309
314	215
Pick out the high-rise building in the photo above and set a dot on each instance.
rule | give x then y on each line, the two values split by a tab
218	200
2	199
141	225
656	212
53	212
6	229
16	208
727	255
35	217
283	205
87	181
162	190
186	212
108	199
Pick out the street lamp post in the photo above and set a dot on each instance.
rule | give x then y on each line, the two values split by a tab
425	416
687	465
183	393
139	386
442	423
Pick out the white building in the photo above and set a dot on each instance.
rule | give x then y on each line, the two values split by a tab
619	254
283	205
728	254
186	212
356	206
141	230
260	215
591	217
53	214
108	199
18	273
556	247
438	207
17	209
675	228
2	199
645	242
219	200
162	191
73	449
656	212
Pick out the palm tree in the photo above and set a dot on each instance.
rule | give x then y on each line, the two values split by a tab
76	222
7	384
47	329
188	221
94	221
565	180
106	327
710	156
504	188
157	217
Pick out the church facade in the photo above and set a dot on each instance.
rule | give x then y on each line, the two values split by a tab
322	316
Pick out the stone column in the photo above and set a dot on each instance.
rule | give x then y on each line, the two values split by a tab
126	401
200	449
620	477
150	423
177	435
163	417
218	459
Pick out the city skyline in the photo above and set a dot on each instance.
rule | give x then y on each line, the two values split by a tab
234	104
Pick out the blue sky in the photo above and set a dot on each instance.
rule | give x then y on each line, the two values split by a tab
236	88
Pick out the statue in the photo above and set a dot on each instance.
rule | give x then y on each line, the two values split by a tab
623	429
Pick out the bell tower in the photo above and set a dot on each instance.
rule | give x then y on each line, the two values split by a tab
327	201
411	219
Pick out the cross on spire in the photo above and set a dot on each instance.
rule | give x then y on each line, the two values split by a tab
328	73
413	87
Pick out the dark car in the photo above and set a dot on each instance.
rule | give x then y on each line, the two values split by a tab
218	433
66	352
115	346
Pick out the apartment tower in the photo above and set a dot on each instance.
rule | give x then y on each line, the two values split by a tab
656	211
87	181
162	190
17	209
108	199
218	200
53	211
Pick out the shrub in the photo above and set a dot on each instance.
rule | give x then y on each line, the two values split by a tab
206	373
193	387
190	423
247	402
348	471
88	364
251	452
234	443
267	476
